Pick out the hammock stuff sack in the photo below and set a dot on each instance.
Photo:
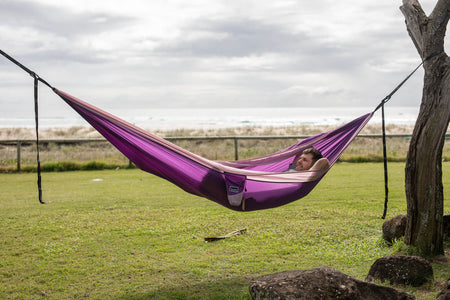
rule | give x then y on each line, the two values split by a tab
243	185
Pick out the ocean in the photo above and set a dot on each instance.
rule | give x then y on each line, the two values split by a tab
213	118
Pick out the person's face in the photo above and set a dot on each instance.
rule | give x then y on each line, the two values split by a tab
305	162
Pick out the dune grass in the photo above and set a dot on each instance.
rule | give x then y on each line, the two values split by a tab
102	155
125	234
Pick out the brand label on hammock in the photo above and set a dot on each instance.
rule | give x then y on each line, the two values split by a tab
233	189
235	185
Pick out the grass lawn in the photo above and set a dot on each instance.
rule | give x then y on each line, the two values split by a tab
126	234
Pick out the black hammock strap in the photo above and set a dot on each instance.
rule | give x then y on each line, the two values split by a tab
36	115
383	128
36	120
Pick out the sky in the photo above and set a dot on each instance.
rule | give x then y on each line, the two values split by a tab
207	53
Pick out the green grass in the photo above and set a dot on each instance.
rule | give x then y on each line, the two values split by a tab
131	235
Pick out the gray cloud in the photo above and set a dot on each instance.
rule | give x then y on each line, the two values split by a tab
57	20
54	33
242	37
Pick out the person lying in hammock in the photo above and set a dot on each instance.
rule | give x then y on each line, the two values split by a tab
305	161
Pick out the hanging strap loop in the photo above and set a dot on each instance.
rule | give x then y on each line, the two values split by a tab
36	120
36	115
386	184
381	105
383	128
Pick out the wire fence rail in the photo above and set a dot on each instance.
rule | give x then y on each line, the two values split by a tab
19	143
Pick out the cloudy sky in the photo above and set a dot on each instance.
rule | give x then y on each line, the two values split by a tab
208	53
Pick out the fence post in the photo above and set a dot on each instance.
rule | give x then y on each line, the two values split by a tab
19	146
236	152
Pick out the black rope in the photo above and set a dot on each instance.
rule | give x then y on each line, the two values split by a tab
381	105
32	74
383	128
36	115
388	97
386	185
36	120
16	62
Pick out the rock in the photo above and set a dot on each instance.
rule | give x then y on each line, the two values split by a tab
320	283
445	293
446	226
394	228
401	269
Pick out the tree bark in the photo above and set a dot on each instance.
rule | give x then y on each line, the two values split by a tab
423	171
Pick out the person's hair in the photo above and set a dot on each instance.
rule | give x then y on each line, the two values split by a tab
315	153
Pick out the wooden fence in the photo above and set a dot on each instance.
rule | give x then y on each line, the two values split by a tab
19	142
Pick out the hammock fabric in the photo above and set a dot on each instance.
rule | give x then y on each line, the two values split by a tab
243	185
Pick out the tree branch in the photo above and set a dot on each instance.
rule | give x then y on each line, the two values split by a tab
441	12
427	33
439	18
416	20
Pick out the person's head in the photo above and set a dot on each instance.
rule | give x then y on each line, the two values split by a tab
307	159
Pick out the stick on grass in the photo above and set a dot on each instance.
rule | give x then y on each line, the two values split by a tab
216	238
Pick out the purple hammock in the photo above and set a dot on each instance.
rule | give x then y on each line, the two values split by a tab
243	185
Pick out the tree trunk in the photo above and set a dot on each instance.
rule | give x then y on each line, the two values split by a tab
423	172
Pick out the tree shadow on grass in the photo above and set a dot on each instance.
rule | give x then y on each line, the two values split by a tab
230	288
